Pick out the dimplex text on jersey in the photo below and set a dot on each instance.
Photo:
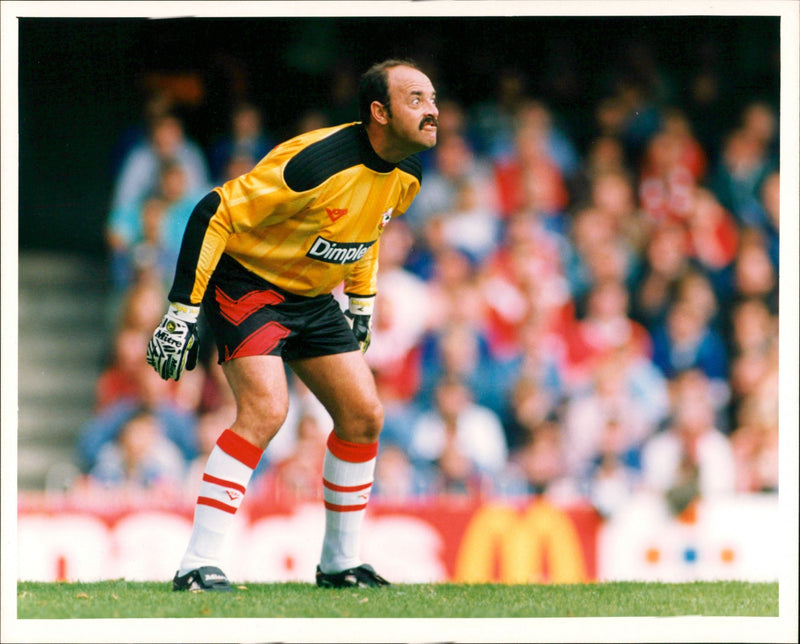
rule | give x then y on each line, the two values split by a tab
338	253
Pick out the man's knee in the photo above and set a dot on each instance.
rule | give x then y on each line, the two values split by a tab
259	420
374	421
364	424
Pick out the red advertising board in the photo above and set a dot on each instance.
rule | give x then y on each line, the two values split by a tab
457	538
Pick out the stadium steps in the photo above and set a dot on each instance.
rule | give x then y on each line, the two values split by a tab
62	338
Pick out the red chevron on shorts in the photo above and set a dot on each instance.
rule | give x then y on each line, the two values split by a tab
236	311
260	342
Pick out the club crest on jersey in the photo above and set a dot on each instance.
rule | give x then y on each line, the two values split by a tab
333	252
385	219
336	213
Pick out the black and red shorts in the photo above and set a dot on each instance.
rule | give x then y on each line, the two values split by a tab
249	316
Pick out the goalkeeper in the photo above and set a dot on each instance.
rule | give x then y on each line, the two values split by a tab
261	254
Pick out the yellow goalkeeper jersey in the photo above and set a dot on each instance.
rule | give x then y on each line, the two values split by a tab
306	218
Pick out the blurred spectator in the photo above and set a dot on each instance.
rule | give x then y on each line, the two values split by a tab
592	243
610	261
686	341
147	236
400	320
538	117
736	180
460	351
246	138
614	472
118	379
138	307
538	466
152	395
459	440
138	178
666	261
525	276
760	121
453	164
181	197
528	176
753	273
539	357
667	179
605	327
609	397
140	456
530	403
604	154
396	479
139	251
754	327
695	288
713	236
454	292
755	438
754	363
470	225
645	383
691	458
641	115
155	104
297	474
771	214
493	120
613	194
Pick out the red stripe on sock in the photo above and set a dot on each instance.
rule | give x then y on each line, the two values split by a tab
352	452
223	483
344	508
239	448
345	488
219	505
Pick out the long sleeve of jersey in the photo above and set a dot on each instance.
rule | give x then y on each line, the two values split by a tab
308	217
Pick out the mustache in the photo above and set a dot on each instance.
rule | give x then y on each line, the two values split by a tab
429	119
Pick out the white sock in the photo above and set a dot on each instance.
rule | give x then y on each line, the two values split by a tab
347	481
228	470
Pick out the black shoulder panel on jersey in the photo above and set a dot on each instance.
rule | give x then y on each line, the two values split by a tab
189	256
319	161
413	166
343	149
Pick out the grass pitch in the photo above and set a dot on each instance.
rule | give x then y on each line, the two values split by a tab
124	599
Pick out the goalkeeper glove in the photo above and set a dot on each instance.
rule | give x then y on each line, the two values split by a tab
175	343
359	316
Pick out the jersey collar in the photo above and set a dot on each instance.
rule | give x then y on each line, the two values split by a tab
368	156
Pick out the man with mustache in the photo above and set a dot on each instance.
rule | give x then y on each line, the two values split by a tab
261	254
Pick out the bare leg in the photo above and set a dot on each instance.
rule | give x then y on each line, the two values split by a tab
344	385
262	397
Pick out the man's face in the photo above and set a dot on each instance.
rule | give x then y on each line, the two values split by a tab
414	115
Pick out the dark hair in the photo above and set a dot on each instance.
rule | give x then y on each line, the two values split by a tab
374	86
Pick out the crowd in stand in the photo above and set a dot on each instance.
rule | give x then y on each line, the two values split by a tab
551	320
